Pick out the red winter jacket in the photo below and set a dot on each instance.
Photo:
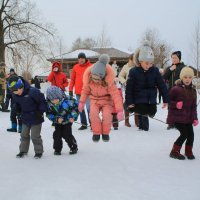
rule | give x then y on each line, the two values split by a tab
58	78
77	77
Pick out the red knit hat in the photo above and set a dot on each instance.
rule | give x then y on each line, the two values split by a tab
58	65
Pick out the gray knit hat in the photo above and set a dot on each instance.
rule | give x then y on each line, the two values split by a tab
99	68
146	53
54	92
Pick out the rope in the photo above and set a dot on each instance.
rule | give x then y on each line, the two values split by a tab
159	120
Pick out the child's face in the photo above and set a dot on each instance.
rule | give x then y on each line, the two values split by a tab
55	101
146	65
55	69
95	78
18	92
175	59
187	80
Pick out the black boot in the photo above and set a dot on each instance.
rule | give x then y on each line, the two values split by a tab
105	138
38	155
83	127
13	127
57	153
96	138
21	155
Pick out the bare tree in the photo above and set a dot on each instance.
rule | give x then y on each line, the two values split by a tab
103	40
160	48
87	43
196	47
21	29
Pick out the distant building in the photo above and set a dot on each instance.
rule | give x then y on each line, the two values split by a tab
69	59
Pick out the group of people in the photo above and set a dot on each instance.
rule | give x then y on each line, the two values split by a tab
94	86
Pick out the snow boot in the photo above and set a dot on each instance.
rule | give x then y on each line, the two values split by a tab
105	138
189	153
83	127
73	151
57	153
175	153
13	127
127	119
38	155
21	154
96	138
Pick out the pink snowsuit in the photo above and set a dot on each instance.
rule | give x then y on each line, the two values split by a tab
102	99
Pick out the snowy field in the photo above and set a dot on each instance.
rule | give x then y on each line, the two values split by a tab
134	165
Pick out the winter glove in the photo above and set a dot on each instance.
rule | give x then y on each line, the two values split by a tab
71	93
120	116
179	105
81	106
195	122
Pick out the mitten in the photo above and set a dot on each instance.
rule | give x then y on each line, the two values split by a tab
71	93
195	122
81	106
179	105
120	116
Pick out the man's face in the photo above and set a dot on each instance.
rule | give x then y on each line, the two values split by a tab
81	61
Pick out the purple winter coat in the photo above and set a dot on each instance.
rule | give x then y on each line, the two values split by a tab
188	113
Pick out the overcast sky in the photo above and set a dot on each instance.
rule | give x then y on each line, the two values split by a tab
124	20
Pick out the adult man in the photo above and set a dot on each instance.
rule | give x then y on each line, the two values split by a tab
76	81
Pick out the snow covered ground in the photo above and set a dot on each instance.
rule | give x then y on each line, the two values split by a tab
134	165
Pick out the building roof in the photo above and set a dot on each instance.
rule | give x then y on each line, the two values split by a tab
93	54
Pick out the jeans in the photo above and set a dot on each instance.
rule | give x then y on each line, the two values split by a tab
82	114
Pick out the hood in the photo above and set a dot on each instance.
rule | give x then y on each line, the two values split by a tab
57	64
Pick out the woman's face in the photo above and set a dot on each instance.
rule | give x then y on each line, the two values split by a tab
187	80
146	65
175	59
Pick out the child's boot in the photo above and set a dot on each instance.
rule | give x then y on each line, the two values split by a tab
175	153
188	152
13	127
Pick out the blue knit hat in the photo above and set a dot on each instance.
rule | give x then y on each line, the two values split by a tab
54	92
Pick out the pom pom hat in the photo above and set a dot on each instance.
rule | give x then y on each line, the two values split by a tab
99	68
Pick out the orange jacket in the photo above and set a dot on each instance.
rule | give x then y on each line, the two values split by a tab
59	78
77	77
99	93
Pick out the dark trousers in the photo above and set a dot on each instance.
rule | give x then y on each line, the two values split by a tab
65	132
143	122
115	121
186	134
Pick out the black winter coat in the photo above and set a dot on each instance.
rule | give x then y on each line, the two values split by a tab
172	76
31	104
142	86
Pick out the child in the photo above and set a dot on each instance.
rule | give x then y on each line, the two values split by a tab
30	102
57	77
115	122
142	84
98	83
183	113
62	111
